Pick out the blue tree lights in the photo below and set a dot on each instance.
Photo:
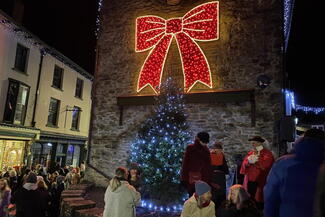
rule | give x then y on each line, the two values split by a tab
159	149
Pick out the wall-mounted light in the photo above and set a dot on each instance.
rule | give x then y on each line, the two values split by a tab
263	81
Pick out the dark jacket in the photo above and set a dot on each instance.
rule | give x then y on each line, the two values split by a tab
45	200
13	183
196	159
228	209
28	203
290	188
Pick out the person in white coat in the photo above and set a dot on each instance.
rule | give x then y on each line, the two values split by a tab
121	198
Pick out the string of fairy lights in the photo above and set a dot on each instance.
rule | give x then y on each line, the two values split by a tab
290	98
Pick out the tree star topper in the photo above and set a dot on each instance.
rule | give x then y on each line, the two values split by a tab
156	33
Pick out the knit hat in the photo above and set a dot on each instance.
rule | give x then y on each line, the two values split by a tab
201	188
257	139
31	178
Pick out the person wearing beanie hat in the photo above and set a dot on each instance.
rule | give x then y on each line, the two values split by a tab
200	204
196	163
28	198
255	168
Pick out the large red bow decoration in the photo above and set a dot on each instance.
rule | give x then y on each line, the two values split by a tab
200	24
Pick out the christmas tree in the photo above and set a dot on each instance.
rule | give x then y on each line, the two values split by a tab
159	147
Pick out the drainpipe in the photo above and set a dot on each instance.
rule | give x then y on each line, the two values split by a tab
93	102
37	87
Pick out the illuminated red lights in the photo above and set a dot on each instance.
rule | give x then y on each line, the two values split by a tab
156	33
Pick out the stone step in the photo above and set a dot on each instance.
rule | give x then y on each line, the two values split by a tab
77	205
93	212
66	195
74	191
65	202
80	186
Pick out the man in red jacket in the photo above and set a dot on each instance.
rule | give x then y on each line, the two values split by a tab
197	163
255	167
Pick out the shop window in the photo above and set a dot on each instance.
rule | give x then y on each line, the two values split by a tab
12	153
76	156
70	155
16	104
36	153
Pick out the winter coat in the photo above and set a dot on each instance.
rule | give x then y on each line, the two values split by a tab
28	201
191	209
228	209
13	183
196	160
257	172
122	201
219	171
45	200
4	202
320	193
291	184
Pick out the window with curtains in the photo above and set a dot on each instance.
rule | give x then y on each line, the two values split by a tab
79	88
21	58
57	77
75	118
16	104
53	114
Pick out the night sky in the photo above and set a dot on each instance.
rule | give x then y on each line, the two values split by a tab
69	25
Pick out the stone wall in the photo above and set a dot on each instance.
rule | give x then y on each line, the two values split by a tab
249	45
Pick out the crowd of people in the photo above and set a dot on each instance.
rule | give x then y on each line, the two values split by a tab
35	192
290	186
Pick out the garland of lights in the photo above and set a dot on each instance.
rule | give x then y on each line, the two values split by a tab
99	9
200	24
287	15
290	97
151	206
306	109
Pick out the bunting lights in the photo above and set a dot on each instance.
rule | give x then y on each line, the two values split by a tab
156	33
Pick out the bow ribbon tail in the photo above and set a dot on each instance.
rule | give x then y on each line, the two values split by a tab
153	66
195	65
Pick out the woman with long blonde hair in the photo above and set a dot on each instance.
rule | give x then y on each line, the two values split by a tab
238	204
5	194
120	197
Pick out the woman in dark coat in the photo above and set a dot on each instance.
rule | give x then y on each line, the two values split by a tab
27	198
220	169
45	197
239	204
196	163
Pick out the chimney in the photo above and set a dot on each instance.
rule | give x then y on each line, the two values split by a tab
18	11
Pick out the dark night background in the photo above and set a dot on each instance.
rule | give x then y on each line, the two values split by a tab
69	26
